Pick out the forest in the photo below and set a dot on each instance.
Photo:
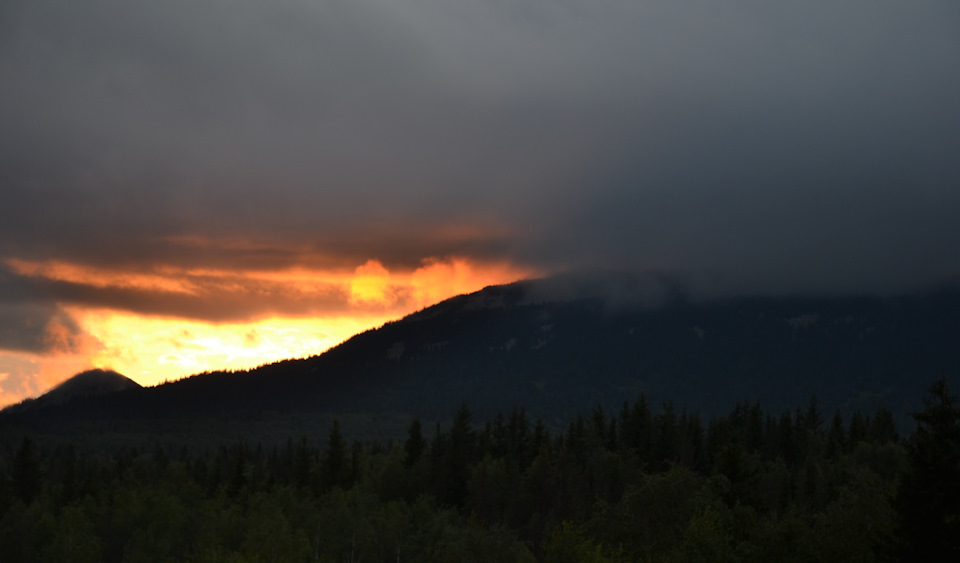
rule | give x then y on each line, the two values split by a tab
650	482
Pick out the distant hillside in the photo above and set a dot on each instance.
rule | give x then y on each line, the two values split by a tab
90	383
563	345
558	350
84	385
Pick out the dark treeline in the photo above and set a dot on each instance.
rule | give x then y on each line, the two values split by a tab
646	483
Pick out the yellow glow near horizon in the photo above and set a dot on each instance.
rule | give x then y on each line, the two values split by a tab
152	350
336	304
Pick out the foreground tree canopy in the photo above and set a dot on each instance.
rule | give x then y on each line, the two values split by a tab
642	484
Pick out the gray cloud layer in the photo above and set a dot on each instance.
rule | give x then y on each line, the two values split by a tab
800	146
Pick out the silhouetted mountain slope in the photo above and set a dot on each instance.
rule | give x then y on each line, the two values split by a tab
500	347
90	383
84	385
558	347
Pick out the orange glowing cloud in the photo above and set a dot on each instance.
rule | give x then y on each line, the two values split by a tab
99	277
437	280
289	313
371	285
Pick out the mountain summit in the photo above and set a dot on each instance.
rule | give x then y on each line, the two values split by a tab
89	383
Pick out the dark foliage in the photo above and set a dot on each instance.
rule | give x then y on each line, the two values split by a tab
640	484
928	499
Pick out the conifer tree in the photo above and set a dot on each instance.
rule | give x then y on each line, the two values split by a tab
415	444
334	458
238	470
812	418
786	439
26	471
302	464
459	455
836	437
859	429
540	436
668	437
518	432
928	499
883	428
753	432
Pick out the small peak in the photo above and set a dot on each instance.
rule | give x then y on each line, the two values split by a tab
89	383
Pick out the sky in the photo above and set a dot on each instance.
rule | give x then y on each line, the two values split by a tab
196	185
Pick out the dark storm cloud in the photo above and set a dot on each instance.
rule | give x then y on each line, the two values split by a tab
30	319
800	146
27	328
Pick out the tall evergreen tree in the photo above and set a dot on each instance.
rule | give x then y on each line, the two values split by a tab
302	463
238	470
786	438
540	436
883	428
415	444
836	437
753	430
928	499
668	437
812	418
333	462
639	433
519	427
598	423
859	430
26	471
459	456
693	441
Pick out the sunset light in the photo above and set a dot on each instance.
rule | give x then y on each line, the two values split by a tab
453	280
167	322
152	350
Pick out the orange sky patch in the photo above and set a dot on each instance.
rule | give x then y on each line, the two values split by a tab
437	280
371	285
98	277
151	348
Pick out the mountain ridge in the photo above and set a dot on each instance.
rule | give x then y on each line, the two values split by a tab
557	351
